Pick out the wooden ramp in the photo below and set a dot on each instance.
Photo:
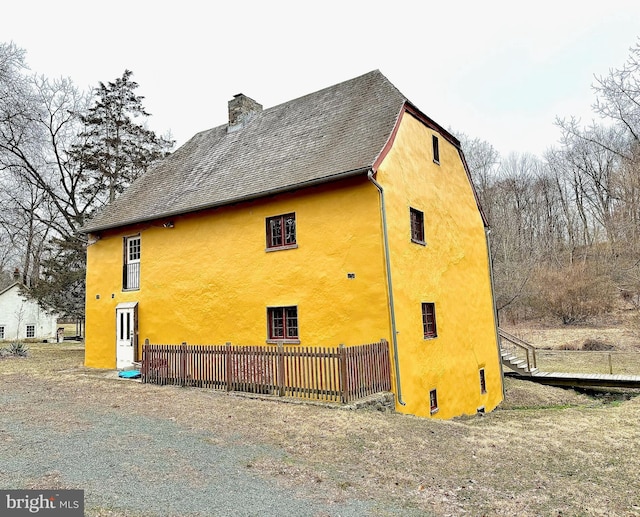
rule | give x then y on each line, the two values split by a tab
520	359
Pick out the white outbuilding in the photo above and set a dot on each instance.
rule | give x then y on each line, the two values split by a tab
21	318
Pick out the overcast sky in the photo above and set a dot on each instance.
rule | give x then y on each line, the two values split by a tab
498	70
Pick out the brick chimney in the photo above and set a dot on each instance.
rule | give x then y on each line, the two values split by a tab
241	110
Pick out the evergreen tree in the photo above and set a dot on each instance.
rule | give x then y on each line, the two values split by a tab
110	150
115	148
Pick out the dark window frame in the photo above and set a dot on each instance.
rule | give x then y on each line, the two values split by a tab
429	327
281	231
416	219
435	142
483	381
433	401
31	329
282	324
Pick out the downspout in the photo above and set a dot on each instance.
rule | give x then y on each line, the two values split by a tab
496	320
392	311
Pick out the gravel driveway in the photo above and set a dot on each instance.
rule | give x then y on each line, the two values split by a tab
55	435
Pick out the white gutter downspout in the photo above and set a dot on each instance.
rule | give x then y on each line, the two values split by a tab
392	311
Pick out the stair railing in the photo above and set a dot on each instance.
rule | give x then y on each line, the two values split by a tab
530	350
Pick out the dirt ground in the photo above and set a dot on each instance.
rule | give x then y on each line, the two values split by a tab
545	452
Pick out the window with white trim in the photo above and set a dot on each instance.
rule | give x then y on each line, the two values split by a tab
1	331
31	331
131	266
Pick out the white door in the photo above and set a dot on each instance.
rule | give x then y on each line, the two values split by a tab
126	335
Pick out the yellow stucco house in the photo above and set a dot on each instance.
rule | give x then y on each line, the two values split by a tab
341	217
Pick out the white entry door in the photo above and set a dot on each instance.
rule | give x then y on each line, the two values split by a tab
126	334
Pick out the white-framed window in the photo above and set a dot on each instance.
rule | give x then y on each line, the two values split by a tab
31	331
1	331
131	267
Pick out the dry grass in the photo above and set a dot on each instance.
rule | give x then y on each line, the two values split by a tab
546	451
565	347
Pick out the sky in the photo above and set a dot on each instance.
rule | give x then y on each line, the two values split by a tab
501	71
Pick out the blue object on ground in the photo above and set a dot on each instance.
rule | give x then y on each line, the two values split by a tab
129	374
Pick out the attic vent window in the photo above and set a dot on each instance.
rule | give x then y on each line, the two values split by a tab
436	149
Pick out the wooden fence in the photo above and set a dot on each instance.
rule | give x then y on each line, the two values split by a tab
341	374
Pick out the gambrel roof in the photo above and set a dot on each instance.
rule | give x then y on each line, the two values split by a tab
330	134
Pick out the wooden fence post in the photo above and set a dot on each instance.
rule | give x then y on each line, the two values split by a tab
610	364
145	361
183	364
280	369
228	369
342	354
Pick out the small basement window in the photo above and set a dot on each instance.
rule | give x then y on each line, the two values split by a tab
433	400
483	382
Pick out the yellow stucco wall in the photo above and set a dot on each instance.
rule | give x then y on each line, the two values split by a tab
451	271
208	280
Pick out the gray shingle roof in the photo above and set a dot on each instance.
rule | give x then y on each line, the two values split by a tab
316	138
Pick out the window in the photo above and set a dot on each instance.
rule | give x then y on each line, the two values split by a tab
429	320
417	226
483	382
281	231
283	323
436	149
31	331
433	401
1	331
131	268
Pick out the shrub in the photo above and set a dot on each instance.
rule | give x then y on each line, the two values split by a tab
596	345
18	349
572	293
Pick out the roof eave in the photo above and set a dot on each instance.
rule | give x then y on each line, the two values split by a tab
231	201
